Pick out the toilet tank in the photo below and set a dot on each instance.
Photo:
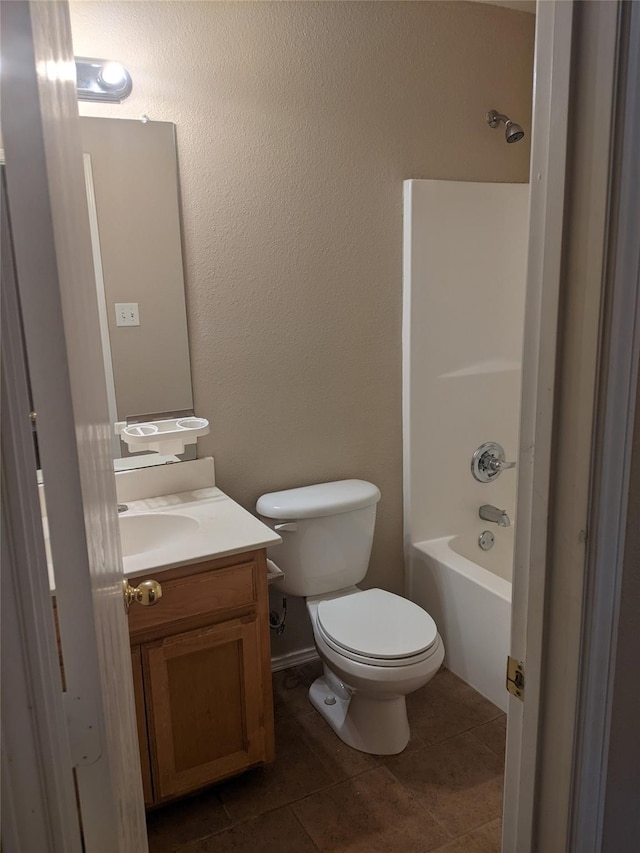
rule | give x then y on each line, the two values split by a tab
327	541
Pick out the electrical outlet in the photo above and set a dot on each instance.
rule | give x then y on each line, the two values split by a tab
127	314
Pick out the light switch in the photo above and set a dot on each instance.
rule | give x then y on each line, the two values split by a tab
127	314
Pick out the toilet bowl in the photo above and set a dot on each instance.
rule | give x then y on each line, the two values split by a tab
376	647
370	666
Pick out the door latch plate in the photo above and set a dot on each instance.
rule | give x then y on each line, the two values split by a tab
515	677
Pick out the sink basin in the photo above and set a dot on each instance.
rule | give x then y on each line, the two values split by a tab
150	531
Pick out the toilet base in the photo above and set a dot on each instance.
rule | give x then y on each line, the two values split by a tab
378	726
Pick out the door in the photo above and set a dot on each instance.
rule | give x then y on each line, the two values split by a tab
35	751
54	271
204	705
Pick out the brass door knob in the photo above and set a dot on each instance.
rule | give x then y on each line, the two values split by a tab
147	593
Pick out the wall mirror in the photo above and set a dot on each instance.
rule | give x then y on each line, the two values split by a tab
132	191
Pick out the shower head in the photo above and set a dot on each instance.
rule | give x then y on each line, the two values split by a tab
512	131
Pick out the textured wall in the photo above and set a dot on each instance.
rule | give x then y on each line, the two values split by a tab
296	124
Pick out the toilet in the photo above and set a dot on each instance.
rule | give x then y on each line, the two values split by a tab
376	647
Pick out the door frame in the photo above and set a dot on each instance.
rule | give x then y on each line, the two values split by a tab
552	568
552	74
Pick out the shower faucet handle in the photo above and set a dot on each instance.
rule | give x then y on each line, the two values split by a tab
498	465
489	461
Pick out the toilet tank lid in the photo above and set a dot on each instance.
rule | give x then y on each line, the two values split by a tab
319	500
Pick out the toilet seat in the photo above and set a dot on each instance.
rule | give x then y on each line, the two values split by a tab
377	628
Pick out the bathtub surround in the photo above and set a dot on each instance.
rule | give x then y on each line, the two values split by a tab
464	287
465	257
296	124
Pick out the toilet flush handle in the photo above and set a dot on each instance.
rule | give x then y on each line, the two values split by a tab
288	525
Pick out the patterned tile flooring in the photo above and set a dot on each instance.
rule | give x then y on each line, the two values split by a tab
443	794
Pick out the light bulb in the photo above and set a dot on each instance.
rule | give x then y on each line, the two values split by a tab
112	75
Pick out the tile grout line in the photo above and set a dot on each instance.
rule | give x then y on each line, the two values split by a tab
328	787
457	734
423	807
240	823
452	837
304	829
323	788
236	824
468	832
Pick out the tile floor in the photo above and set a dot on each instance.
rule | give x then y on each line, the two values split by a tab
442	794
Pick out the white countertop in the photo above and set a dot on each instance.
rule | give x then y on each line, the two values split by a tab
225	528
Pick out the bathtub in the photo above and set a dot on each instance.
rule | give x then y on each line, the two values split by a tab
472	609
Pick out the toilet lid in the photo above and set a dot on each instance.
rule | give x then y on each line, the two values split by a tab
377	624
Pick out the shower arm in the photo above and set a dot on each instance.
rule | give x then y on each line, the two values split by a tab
494	118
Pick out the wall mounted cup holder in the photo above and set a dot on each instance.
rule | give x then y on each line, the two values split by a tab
165	436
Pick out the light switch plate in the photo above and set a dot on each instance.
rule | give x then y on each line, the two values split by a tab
127	314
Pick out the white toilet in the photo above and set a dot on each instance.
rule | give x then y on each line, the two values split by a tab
375	646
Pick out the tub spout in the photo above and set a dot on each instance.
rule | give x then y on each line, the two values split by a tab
495	515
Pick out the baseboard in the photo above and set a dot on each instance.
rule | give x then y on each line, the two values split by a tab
296	658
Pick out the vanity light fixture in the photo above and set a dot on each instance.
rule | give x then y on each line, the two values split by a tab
102	80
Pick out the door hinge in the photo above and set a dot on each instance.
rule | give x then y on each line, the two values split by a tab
515	677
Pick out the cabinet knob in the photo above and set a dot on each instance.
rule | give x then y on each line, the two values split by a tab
147	593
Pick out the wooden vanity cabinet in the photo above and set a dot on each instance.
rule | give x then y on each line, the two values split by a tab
202	675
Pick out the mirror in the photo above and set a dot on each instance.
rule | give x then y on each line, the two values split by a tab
132	190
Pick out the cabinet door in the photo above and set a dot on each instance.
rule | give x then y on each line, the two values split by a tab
204	705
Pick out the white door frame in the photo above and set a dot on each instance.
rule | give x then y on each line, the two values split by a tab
546	216
585	249
562	351
54	270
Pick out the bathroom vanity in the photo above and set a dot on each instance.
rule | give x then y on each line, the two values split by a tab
200	655
202	675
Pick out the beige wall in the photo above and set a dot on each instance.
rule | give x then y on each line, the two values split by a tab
296	125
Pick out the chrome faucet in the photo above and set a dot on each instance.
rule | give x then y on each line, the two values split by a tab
495	515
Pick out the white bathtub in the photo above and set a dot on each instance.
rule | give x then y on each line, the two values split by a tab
472	609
